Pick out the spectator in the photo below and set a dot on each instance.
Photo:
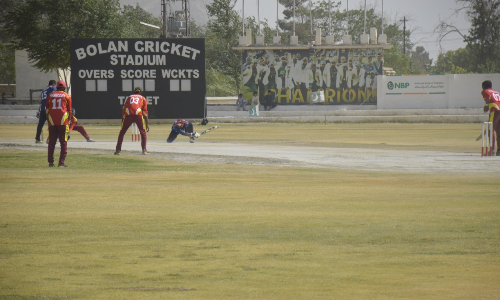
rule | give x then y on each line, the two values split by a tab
254	110
269	101
241	102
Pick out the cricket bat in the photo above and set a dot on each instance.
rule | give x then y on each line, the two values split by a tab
209	129
481	135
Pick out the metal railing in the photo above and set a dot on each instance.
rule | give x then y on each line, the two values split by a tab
31	94
4	94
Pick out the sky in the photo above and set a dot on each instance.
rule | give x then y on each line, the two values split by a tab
422	16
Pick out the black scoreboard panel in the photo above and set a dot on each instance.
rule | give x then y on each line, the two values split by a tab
171	73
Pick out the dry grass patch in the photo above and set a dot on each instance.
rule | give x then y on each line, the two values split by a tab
144	227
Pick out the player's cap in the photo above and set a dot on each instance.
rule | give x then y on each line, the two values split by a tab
282	72
61	84
249	58
52	82
137	90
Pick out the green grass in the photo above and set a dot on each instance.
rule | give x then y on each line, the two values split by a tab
137	227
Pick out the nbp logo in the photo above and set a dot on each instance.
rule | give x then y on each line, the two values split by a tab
403	85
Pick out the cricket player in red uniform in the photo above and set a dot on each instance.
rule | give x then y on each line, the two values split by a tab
79	128
492	99
135	110
58	111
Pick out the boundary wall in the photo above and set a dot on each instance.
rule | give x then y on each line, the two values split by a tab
28	77
433	91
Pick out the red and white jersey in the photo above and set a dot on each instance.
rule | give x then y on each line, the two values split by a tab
72	122
492	99
135	105
58	108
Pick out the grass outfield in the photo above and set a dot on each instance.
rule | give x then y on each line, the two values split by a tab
144	227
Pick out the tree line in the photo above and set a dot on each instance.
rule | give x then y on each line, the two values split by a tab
44	28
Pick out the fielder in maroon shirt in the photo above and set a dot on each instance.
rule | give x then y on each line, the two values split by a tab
492	100
73	126
135	110
58	111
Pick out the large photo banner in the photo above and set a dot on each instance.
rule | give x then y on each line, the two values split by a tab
344	76
170	72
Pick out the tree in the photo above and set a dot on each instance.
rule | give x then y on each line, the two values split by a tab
45	33
7	52
420	61
302	27
7	66
484	35
7	7
222	36
453	62
265	30
130	19
483	38
329	18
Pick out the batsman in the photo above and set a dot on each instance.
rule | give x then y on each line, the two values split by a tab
184	128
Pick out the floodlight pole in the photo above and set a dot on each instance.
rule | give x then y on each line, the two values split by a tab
277	3
164	17
364	22
347	30
258	14
382	16
310	16
404	35
329	17
243	18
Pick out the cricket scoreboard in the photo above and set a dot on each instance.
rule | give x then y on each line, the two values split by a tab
170	72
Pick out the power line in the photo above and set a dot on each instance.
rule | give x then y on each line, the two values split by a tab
432	32
444	40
